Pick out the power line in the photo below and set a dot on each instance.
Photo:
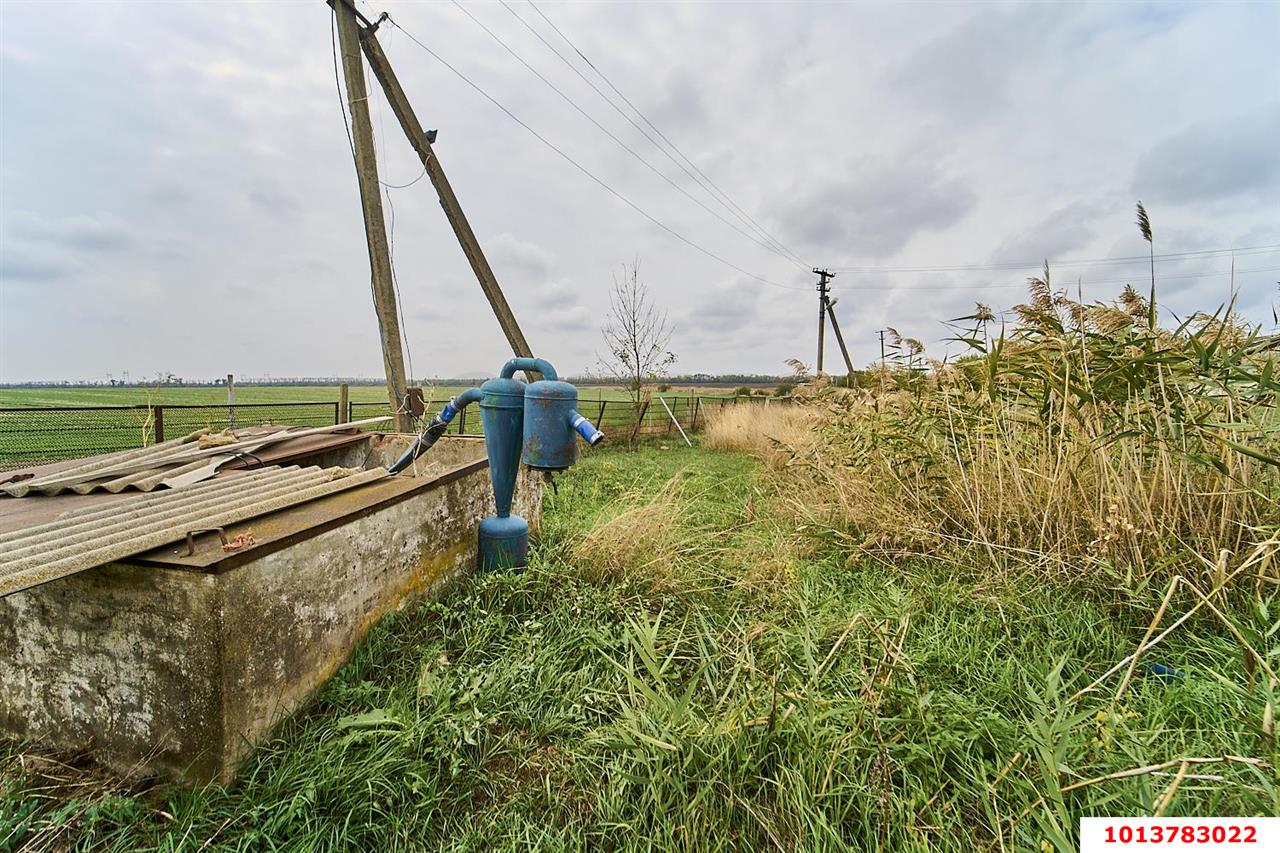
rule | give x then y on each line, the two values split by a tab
988	286
569	100
706	183
584	170
1119	261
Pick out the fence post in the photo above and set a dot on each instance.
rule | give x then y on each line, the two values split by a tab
462	423
693	420
344	404
231	400
600	417
635	430
157	417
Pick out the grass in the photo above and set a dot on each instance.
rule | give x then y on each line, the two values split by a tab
717	680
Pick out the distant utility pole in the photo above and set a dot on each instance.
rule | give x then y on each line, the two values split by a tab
384	296
882	331
823	289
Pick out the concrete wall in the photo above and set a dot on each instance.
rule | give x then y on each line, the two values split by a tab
121	661
291	619
180	673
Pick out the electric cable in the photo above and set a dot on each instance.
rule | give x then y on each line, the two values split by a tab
624	146
729	202
976	286
1243	251
584	170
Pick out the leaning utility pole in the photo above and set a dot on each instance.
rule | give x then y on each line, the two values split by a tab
421	141
835	327
823	290
384	296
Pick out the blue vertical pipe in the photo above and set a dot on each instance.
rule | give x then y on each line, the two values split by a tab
502	410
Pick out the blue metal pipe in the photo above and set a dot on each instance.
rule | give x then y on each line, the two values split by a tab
439	425
585	428
538	365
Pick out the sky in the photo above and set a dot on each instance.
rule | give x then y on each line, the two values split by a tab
177	191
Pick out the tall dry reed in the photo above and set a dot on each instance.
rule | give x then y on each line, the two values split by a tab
1083	440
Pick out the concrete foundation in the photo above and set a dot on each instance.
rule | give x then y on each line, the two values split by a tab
176	665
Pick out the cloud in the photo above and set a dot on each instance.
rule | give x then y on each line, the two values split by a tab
569	318
1214	160
971	68
510	256
727	308
557	306
1065	230
276	202
555	293
859	135
17	267
876	206
682	105
79	232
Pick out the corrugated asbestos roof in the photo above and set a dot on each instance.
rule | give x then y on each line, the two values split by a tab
176	463
98	535
87	476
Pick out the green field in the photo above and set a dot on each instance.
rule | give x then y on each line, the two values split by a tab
28	438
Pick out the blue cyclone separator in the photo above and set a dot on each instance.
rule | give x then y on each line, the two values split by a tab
536	424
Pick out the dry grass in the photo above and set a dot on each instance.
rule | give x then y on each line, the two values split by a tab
652	541
769	432
1085	442
1131	506
643	541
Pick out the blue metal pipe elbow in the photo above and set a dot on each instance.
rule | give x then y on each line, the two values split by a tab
586	429
539	365
431	432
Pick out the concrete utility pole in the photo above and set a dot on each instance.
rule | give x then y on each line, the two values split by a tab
835	327
384	297
882	349
823	290
421	141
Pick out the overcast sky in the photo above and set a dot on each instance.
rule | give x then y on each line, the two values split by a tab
178	193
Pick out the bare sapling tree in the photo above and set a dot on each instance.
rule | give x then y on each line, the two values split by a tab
637	336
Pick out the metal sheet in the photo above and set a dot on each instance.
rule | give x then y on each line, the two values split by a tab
97	535
178	462
89	471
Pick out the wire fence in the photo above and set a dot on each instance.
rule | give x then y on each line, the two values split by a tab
616	418
32	435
